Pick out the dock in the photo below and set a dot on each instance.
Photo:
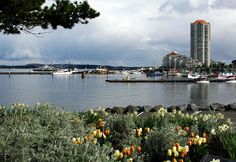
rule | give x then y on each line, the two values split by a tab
182	80
27	73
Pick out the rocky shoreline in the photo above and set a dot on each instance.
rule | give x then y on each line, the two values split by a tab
184	108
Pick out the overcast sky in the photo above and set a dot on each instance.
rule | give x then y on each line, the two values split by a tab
130	33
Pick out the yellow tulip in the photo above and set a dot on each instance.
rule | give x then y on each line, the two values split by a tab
203	140
199	141
121	155
176	154
130	160
95	141
186	148
169	152
116	155
174	149
180	149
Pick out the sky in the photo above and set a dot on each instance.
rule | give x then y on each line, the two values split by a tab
128	33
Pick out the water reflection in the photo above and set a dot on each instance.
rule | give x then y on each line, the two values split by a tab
199	93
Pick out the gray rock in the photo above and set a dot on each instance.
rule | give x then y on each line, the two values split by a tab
182	108
231	106
109	110
192	107
217	107
156	108
118	110
171	108
131	109
146	108
204	108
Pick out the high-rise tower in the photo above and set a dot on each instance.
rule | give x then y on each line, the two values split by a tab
201	41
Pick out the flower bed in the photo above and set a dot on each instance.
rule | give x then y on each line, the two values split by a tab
45	133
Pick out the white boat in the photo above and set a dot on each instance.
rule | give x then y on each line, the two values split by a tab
193	76
44	68
231	81
203	81
125	72
63	72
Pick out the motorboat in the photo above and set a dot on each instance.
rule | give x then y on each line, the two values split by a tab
63	72
193	76
231	81
202	79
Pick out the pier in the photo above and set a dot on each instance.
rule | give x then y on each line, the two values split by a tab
182	80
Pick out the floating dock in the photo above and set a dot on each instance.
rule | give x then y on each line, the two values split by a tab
182	80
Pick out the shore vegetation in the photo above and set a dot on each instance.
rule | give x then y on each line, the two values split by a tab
47	133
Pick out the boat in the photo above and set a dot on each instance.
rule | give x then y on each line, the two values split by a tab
193	76
44	68
205	81
125	72
231	81
63	72
154	74
101	70
202	79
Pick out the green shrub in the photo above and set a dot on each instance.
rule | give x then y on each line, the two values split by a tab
229	144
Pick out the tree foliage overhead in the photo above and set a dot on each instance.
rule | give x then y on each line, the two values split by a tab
24	15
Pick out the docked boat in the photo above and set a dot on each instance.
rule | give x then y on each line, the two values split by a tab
193	76
63	72
44	68
154	74
202	79
231	81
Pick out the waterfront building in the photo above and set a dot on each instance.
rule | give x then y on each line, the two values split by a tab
200	42
175	60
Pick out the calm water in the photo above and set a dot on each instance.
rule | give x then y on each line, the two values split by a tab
73	93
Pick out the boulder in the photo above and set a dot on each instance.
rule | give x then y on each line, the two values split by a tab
204	108
131	109
170	108
217	107
231	106
182	108
118	110
109	110
192	107
156	108
145	108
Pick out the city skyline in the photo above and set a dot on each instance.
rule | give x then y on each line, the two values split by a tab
128	33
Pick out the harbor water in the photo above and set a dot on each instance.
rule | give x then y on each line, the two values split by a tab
73	93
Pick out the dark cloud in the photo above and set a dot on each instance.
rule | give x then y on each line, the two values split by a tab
224	4
124	34
184	6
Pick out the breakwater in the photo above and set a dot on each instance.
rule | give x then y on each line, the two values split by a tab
218	107
228	110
